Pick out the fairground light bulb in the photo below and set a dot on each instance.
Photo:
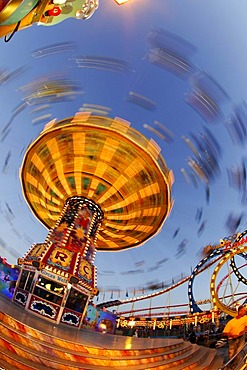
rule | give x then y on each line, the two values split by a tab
119	2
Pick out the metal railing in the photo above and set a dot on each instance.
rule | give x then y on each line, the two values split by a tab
242	364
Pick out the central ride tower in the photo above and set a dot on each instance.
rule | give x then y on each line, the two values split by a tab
96	184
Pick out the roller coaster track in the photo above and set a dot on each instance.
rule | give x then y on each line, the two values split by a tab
132	312
226	257
151	295
219	251
224	253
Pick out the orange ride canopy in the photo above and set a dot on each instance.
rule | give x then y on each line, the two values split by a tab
107	161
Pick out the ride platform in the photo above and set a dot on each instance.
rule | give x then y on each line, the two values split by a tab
29	342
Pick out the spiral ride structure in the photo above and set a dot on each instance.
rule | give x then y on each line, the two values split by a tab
239	247
222	253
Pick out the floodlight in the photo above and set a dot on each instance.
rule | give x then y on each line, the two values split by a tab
119	2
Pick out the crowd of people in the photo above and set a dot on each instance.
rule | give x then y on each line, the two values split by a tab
231	336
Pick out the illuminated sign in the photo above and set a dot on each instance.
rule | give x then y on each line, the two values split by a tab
61	257
55	277
85	270
37	251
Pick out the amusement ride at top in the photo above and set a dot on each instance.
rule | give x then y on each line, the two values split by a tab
17	14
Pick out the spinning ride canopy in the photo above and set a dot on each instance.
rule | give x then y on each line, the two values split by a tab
104	160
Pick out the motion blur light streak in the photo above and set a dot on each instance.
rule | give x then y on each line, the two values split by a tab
160	50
